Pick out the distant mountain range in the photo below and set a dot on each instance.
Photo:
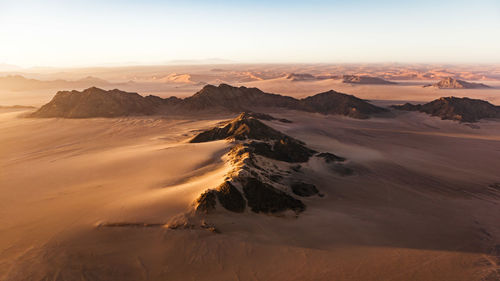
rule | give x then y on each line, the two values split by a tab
302	77
349	79
95	102
452	83
458	109
21	83
368	80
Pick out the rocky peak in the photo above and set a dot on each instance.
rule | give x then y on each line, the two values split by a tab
264	169
458	109
95	102
245	126
452	83
333	102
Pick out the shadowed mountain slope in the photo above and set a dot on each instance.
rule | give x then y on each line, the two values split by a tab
458	109
94	102
235	98
332	102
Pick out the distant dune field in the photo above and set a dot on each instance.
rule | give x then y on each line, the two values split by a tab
36	86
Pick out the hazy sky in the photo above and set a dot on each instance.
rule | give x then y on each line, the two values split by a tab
77	33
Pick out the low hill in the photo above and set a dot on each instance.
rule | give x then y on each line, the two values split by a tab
368	80
302	77
452	83
333	102
458	109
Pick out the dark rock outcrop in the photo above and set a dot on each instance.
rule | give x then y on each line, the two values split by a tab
227	195
495	186
266	117
452	83
94	102
285	149
368	80
230	198
301	77
335	163
330	157
408	107
277	145
304	189
242	127
265	198
206	202
458	109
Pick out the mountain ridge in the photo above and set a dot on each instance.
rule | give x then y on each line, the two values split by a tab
93	102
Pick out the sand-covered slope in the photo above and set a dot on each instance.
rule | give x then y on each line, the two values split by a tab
106	199
458	109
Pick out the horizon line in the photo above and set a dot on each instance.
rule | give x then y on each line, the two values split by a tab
18	67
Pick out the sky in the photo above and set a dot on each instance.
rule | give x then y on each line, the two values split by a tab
131	32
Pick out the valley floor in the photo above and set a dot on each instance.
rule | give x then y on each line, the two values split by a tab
423	203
